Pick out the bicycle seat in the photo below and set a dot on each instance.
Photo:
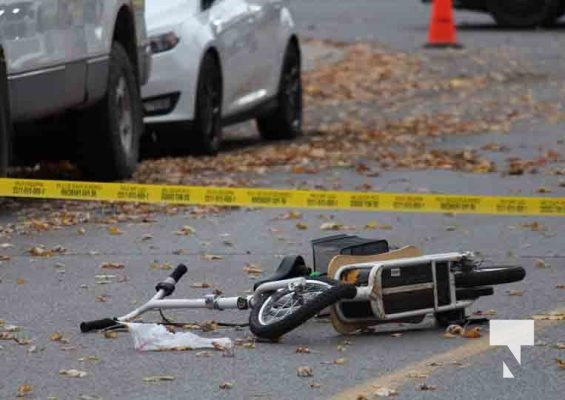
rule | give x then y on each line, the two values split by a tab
290	267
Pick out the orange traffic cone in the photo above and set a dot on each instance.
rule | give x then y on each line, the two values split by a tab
442	26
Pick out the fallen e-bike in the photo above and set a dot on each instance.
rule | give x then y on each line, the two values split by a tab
361	289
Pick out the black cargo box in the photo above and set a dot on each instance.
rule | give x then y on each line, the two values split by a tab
325	249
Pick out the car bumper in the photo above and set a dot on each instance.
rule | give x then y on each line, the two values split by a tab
169	96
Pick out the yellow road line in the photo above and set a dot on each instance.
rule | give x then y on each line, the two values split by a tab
398	378
281	198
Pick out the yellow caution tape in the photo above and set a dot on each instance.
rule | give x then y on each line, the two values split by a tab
281	198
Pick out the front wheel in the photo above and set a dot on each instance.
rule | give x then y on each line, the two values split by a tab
110	131
489	276
284	310
285	121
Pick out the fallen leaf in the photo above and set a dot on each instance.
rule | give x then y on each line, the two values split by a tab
162	267
315	385
20	281
397	335
5	258
40	251
24	390
73	373
158	378
426	387
473	333
114	230
112	265
201	285
302	226
81	231
212	257
560	286
56	336
331	226
550	317
454	329
303	350
6	245
376	225
110	334
146	237
543	189
226	385
542	264
560	363
185	231
252	269
290	215
385	392
304	372
514	292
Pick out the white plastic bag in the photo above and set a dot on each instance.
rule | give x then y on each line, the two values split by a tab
155	337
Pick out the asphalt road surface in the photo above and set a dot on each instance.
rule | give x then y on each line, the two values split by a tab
47	295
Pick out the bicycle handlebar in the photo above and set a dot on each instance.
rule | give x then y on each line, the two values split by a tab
97	325
178	273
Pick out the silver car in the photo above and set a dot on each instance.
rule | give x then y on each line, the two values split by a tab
88	56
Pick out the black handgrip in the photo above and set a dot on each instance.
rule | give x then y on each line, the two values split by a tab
179	271
97	325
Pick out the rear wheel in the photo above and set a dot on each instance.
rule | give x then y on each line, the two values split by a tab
489	276
110	131
524	13
285	121
205	136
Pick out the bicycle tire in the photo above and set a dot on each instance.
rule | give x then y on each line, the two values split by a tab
278	328
489	276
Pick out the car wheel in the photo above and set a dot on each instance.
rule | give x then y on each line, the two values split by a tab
524	13
110	131
285	121
205	135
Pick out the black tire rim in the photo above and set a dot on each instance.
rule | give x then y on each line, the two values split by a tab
523	8
292	92
210	109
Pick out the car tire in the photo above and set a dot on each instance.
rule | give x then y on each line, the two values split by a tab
110	130
285	121
524	14
205	136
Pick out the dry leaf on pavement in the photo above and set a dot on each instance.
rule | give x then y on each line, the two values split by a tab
303	350
514	292
158	378
201	285
114	230
252	269
426	387
302	226
112	265
331	226
56	336
185	231
226	385
560	363
24	390
73	373
212	257
304	372
473	333
385	392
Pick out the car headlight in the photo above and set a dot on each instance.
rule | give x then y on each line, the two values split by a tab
164	42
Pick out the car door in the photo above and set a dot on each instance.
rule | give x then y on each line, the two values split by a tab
45	49
266	15
233	26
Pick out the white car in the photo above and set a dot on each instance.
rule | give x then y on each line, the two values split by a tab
217	62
